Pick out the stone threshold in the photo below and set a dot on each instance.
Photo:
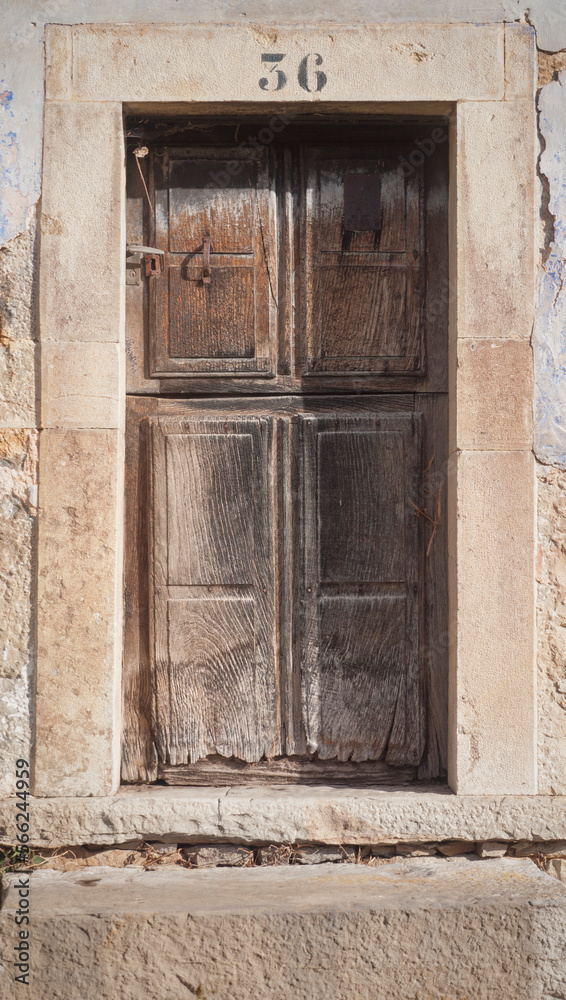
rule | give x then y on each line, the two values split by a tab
399	930
287	814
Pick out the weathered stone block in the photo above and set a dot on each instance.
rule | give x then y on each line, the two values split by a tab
383	850
492	387
393	62
551	616
520	62
415	850
58	62
163	849
213	855
79	633
82	385
492	849
557	868
495	205
453	848
295	933
551	848
18	502
18	384
549	332
491	546
299	815
18	290
82	283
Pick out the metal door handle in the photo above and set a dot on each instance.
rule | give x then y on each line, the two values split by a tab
136	248
206	259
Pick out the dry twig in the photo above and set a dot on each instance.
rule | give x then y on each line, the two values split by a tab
435	519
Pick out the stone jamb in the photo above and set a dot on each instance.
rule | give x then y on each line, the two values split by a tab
92	72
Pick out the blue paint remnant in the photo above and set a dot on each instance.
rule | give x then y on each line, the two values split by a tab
5	97
549	332
11	195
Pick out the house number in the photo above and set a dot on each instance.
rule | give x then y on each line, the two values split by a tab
310	78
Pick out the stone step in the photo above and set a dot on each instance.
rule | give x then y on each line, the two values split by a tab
413	929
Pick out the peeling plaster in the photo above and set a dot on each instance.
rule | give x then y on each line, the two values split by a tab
549	333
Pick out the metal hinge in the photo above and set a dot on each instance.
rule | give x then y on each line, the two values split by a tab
135	254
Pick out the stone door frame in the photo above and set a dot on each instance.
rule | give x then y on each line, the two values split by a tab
483	77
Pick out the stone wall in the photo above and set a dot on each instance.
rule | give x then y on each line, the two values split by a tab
551	627
18	495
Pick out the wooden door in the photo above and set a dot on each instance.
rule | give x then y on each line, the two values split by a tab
327	259
363	280
286	556
256	611
213	588
362	678
212	310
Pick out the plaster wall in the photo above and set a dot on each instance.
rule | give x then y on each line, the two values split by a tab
21	108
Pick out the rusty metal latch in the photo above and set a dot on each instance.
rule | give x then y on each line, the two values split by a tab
135	254
206	259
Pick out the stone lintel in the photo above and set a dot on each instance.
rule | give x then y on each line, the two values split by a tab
385	62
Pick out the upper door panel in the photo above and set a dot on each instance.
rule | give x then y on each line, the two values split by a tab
363	274
312	262
210	311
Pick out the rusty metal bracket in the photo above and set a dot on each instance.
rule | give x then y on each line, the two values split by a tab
152	265
206	259
135	254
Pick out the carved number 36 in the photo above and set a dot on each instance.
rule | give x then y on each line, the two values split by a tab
310	78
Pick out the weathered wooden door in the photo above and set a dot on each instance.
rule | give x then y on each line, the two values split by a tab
213	205
285	535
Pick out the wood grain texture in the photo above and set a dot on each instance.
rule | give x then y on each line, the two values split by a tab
299	305
212	655
328	206
361	588
412	213
293	770
362	310
433	499
215	320
228	325
343	607
361	656
362	291
210	509
213	588
361	505
214	195
139	757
